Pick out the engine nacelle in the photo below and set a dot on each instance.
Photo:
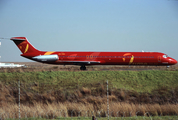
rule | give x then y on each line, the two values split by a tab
46	58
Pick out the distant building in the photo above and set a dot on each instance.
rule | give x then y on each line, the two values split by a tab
10	65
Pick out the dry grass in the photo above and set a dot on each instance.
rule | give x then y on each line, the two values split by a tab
9	95
69	109
83	101
85	91
84	106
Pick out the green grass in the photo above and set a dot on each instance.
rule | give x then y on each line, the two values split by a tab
139	81
83	87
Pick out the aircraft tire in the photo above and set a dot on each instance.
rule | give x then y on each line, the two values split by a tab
83	67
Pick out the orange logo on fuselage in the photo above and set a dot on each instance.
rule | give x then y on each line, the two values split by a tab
131	59
126	54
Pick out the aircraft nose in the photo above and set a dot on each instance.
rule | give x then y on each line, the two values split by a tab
173	61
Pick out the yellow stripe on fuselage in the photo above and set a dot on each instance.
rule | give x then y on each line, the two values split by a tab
49	53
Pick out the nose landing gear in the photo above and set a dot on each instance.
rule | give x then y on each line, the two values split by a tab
83	67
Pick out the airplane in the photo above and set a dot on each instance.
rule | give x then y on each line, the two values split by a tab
84	59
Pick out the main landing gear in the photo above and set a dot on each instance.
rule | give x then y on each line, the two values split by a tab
83	67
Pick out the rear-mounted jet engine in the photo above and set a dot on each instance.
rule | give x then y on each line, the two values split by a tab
48	58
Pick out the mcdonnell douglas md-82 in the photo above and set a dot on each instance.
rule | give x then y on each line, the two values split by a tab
91	58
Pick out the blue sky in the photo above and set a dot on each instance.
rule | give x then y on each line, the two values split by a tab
89	25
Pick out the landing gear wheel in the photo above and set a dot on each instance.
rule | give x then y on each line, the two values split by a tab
83	67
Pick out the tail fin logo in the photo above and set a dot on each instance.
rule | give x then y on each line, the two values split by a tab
26	49
23	45
23	48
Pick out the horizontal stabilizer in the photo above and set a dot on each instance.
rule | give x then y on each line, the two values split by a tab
23	44
18	38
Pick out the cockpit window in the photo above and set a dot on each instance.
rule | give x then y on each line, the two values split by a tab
165	56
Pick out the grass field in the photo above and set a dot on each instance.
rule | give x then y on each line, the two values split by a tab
68	109
139	81
153	91
122	84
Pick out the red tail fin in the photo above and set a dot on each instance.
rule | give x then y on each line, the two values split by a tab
23	44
